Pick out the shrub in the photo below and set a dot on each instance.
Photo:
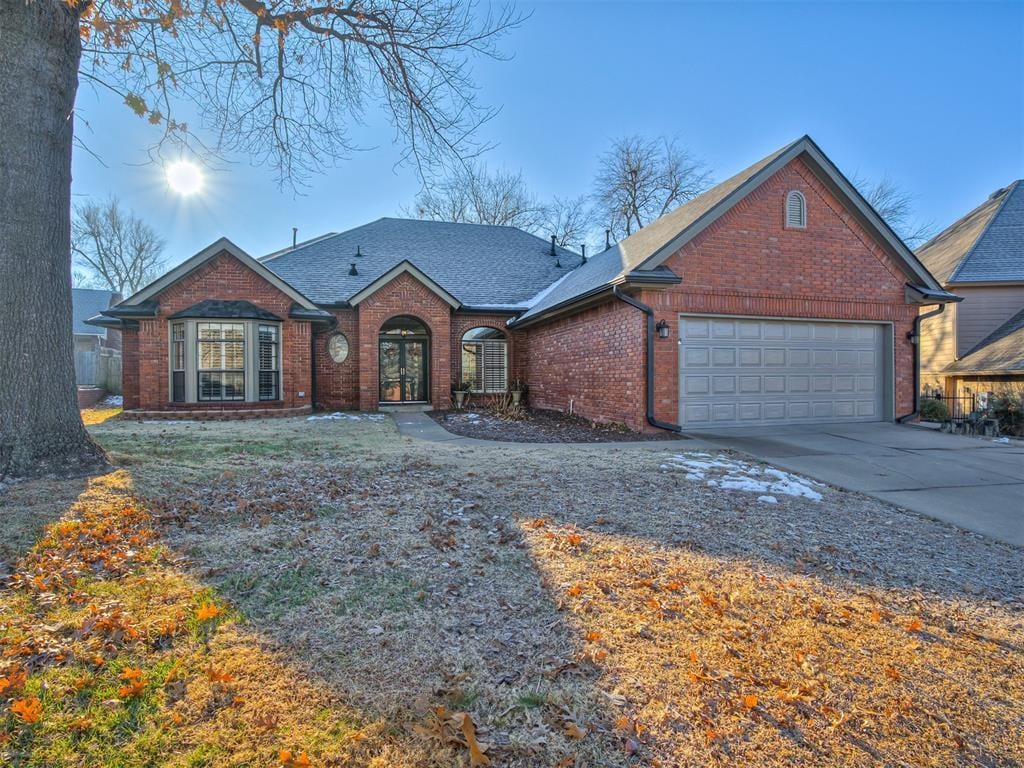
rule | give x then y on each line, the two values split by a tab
934	410
1008	408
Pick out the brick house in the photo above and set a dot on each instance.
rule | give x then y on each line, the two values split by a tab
977	345
777	297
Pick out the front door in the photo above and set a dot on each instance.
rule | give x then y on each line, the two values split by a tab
403	371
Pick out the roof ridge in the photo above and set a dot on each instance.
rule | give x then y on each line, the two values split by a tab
1007	193
477	224
748	172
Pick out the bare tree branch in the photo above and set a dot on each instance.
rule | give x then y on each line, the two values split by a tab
894	204
476	195
114	249
640	179
283	81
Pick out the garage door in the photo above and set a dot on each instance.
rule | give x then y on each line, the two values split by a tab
739	371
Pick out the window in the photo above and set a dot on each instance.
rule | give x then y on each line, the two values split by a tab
178	362
796	211
485	360
269	361
221	361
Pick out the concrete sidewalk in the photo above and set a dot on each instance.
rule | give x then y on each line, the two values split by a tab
973	483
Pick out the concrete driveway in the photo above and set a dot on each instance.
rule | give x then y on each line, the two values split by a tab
974	483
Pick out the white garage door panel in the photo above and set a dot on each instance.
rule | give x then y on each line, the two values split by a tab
745	371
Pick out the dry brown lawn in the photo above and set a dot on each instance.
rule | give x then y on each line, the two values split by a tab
378	602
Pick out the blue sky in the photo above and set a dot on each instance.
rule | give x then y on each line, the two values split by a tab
930	93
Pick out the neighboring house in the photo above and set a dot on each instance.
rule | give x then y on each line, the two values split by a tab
777	297
977	346
95	346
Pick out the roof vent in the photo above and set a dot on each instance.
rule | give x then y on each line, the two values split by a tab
583	251
997	193
352	270
359	251
607	239
796	210
553	245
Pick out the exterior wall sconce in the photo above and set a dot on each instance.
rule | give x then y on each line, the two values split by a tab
662	329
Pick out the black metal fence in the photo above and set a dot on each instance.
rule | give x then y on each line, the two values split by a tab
959	408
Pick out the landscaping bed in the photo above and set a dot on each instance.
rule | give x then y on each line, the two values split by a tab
538	426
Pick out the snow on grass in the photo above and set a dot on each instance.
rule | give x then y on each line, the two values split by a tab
339	416
112	401
731	474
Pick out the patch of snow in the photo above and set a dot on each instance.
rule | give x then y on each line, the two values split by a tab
1001	440
339	416
113	401
735	475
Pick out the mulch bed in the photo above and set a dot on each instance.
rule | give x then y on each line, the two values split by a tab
538	426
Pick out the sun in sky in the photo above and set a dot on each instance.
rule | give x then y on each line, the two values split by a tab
184	177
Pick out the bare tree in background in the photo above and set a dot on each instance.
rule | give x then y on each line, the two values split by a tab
476	195
894	204
570	220
117	249
640	179
281	81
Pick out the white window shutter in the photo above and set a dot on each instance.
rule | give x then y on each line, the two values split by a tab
495	365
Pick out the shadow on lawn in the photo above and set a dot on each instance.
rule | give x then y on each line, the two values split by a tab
384	579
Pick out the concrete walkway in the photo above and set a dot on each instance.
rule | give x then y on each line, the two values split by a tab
973	483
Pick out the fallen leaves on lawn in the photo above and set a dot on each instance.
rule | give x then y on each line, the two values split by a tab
208	611
27	710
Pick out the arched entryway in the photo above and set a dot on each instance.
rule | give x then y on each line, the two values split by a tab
404	360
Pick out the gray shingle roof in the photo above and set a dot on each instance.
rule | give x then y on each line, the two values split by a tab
1002	351
85	303
986	245
222	308
630	252
480	265
642	251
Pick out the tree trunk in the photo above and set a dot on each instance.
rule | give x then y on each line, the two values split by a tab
41	431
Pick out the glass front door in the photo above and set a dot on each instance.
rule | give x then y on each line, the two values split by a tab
403	371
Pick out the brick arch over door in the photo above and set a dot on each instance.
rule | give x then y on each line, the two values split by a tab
405	295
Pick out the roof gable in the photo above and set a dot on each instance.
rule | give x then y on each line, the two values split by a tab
401	269
223	245
998	252
646	249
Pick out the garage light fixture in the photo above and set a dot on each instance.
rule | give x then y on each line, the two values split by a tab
662	329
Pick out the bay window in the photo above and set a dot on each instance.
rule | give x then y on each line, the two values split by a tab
221	361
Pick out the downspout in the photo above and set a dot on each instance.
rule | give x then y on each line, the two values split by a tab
915	339
650	360
312	366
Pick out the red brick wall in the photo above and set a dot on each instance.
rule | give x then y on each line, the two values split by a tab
405	295
337	385
130	369
746	263
222	277
593	362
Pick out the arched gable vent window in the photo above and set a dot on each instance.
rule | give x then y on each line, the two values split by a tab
796	211
485	360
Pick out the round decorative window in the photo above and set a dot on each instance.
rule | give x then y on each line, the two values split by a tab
337	347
